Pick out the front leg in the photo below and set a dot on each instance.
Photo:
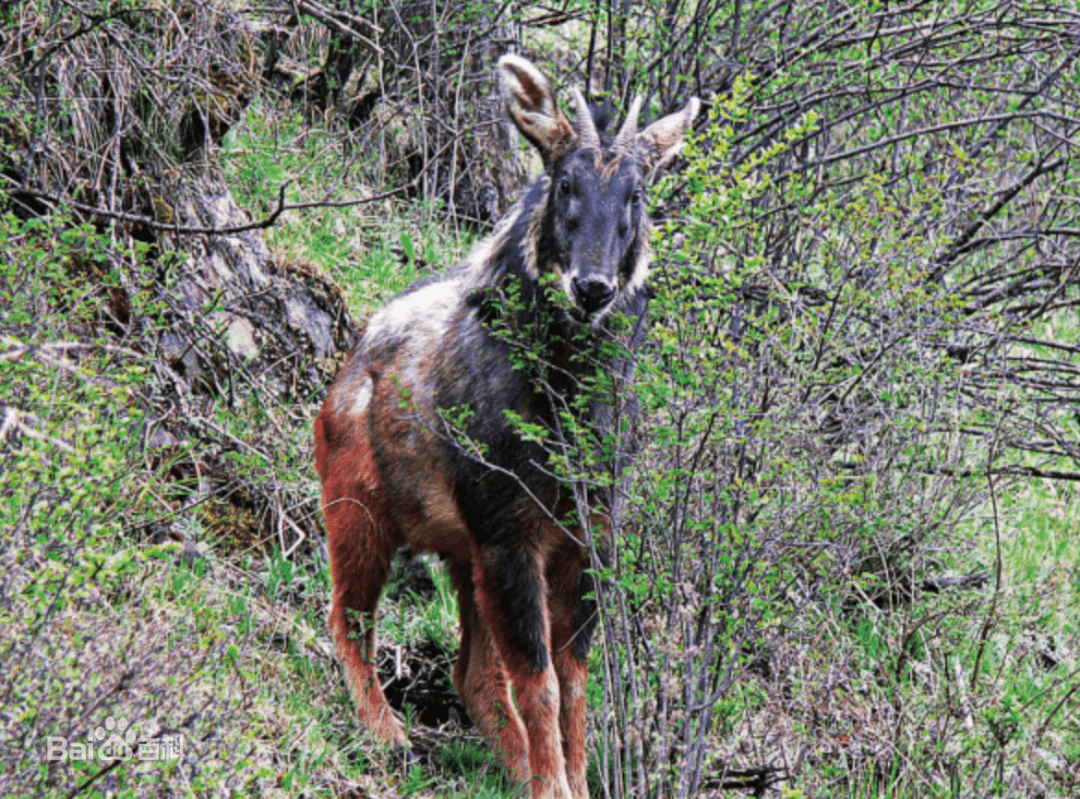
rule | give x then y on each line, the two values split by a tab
481	681
511	596
573	618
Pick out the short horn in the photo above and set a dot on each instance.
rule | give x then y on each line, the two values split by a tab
587	135
629	127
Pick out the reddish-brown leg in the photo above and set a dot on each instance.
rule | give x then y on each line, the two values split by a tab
535	689
564	576
361	544
482	683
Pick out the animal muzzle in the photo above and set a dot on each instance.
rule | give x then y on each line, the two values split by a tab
592	294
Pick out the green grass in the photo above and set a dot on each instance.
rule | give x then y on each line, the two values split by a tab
415	619
374	250
987	685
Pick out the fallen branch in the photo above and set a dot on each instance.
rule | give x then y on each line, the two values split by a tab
934	585
262	224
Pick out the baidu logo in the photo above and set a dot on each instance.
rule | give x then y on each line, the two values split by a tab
115	741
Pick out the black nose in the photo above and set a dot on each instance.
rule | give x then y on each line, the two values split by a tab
592	293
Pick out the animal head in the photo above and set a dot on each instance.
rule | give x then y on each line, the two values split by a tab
593	231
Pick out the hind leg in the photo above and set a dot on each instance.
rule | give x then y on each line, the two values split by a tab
361	544
482	682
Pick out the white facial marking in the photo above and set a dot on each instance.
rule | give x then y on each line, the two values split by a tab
566	280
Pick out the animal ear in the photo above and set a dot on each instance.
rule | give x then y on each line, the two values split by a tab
663	139
530	102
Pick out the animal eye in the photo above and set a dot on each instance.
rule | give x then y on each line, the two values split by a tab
564	187
635	197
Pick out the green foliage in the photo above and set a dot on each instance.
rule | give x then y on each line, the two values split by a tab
100	619
71	420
